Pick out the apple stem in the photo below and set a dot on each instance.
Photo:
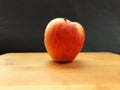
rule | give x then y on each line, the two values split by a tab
65	18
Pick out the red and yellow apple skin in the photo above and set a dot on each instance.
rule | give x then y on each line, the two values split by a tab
63	39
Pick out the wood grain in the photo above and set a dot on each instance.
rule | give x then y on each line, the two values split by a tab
37	71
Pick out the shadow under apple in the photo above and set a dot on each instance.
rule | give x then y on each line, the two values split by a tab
76	64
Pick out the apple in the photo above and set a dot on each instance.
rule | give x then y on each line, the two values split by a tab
63	39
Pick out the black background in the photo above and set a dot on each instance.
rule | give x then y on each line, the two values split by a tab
22	23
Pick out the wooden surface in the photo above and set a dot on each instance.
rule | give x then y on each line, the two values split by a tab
37	71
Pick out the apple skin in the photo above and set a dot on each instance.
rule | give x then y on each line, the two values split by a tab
63	39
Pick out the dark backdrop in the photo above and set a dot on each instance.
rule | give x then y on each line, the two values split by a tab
22	23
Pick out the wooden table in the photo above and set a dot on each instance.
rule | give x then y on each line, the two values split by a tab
37	71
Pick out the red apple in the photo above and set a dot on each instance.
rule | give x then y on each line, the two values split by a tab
63	39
